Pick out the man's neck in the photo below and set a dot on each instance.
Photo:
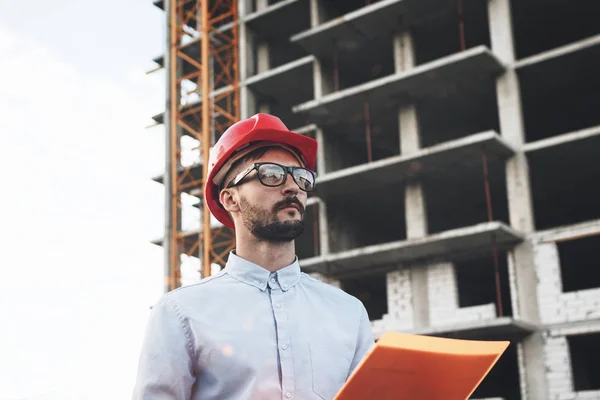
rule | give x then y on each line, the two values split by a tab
269	255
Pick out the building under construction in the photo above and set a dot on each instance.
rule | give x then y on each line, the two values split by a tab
458	189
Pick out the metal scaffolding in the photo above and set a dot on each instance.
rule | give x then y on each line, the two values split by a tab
213	78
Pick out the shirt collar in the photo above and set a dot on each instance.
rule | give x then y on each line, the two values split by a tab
259	277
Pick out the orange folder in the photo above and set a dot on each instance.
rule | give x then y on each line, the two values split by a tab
416	367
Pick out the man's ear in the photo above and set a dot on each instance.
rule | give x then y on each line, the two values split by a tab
228	200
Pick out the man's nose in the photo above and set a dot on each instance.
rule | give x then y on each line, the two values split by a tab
290	186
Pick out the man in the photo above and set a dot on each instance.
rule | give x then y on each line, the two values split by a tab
260	328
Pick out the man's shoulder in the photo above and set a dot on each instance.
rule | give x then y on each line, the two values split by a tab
191	292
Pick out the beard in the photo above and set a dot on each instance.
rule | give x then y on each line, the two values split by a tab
266	226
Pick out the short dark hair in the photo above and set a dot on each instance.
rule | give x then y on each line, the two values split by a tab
236	167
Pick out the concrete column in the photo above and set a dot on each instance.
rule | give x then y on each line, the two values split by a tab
521	261
321	153
323	228
536	381
262	54
414	198
264	108
322	81
247	102
410	142
511	117
420	292
261	4
318	13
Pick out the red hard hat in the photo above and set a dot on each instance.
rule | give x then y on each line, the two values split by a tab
239	136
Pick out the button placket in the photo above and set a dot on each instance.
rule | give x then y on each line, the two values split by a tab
283	340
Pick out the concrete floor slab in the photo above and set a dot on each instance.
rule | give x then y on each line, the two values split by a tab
582	139
350	31
505	328
391	255
591	44
574	328
440	159
306	129
422	81
569	232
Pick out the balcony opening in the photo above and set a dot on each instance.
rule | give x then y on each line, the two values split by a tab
503	379
282	51
476	281
360	63
585	361
347	144
456	196
579	263
437	32
561	94
564	182
458	112
372	291
307	244
362	218
542	25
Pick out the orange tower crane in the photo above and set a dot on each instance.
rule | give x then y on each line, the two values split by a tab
202	54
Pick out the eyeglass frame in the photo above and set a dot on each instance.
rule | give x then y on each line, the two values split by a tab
287	171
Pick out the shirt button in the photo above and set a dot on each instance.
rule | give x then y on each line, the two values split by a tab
262	285
273	280
284	346
278	305
288	395
285	286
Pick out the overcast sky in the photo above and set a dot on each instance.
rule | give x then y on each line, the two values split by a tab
78	208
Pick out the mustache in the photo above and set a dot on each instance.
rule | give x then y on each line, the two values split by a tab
288	201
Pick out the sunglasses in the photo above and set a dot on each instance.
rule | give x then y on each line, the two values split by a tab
273	175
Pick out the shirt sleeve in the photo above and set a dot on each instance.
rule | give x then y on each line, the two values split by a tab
166	367
365	340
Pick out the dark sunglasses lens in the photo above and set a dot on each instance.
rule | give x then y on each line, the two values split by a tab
270	174
305	179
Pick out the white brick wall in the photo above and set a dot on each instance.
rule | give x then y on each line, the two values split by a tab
556	306
558	364
512	282
522	371
400	307
443	298
400	314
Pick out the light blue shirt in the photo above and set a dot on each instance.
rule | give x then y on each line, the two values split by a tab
249	334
